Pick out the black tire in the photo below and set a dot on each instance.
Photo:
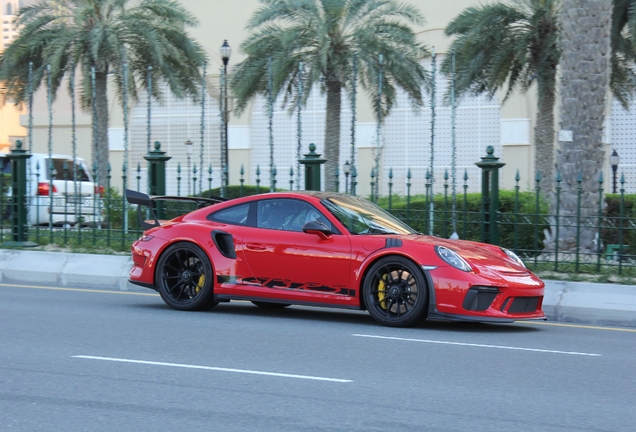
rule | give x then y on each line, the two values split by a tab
184	278
395	292
270	305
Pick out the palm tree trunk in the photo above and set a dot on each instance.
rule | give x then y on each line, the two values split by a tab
100	154
332	134
544	138
584	87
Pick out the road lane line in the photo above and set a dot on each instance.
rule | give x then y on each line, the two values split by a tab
244	371
79	290
477	345
581	326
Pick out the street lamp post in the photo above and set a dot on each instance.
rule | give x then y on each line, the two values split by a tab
226	51
614	160
347	170
188	145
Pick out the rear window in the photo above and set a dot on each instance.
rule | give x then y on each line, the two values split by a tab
59	173
236	215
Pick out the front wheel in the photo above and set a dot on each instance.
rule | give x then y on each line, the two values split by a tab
184	278
395	292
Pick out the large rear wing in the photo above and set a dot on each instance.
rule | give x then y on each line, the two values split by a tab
143	200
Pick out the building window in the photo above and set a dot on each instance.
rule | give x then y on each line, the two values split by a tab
9	9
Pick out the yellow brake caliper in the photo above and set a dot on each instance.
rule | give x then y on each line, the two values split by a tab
381	291
200	283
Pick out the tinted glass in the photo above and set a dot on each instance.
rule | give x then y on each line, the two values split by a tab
360	216
236	215
59	174
287	214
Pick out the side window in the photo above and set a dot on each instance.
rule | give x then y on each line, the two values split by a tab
287	214
236	215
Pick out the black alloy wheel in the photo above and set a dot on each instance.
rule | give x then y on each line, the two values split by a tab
184	278
395	292
270	305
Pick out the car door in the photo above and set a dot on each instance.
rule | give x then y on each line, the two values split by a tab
289	264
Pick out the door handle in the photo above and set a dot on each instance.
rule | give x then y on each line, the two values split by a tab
256	246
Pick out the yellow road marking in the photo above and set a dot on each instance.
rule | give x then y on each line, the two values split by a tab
582	326
78	290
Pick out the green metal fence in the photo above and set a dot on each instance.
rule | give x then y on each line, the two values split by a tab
524	222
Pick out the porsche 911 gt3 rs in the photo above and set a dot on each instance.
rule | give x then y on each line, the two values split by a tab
326	249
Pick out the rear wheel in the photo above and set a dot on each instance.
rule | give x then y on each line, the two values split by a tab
395	292
270	305
184	278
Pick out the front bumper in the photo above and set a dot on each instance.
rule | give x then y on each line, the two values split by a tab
471	297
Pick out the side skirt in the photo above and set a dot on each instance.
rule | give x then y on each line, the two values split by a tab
227	298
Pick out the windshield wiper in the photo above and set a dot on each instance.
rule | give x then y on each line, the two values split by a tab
379	230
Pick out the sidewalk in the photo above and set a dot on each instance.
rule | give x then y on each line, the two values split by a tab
571	302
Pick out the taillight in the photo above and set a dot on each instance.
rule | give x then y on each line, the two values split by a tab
99	190
44	188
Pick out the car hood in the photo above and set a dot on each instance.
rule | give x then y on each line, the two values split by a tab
481	256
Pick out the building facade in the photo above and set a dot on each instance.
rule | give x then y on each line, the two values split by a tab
406	140
10	129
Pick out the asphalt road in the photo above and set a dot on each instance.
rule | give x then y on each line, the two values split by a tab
90	360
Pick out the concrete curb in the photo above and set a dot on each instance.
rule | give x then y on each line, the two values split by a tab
590	303
65	269
571	302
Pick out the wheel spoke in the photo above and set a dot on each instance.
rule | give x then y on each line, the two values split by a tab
179	260
183	287
173	287
380	291
388	308
173	268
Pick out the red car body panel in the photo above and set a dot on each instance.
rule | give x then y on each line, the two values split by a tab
302	268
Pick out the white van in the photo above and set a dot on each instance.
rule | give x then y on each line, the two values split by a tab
73	201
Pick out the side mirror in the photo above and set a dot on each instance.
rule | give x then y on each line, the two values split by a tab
318	228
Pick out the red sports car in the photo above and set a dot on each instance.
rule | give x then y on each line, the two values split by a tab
326	249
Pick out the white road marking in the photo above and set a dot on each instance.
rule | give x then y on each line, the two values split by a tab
478	345
307	377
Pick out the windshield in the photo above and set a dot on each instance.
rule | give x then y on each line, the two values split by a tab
360	216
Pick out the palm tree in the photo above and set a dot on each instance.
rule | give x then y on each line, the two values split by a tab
585	80
102	34
324	35
514	45
623	57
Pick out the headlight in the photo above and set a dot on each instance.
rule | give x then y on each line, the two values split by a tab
514	257
453	258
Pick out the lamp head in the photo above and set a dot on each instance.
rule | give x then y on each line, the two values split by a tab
226	52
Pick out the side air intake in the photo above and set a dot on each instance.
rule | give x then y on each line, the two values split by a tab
224	243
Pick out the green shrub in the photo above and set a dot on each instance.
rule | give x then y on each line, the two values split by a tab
522	231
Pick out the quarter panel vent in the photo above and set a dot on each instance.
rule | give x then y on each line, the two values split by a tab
224	243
